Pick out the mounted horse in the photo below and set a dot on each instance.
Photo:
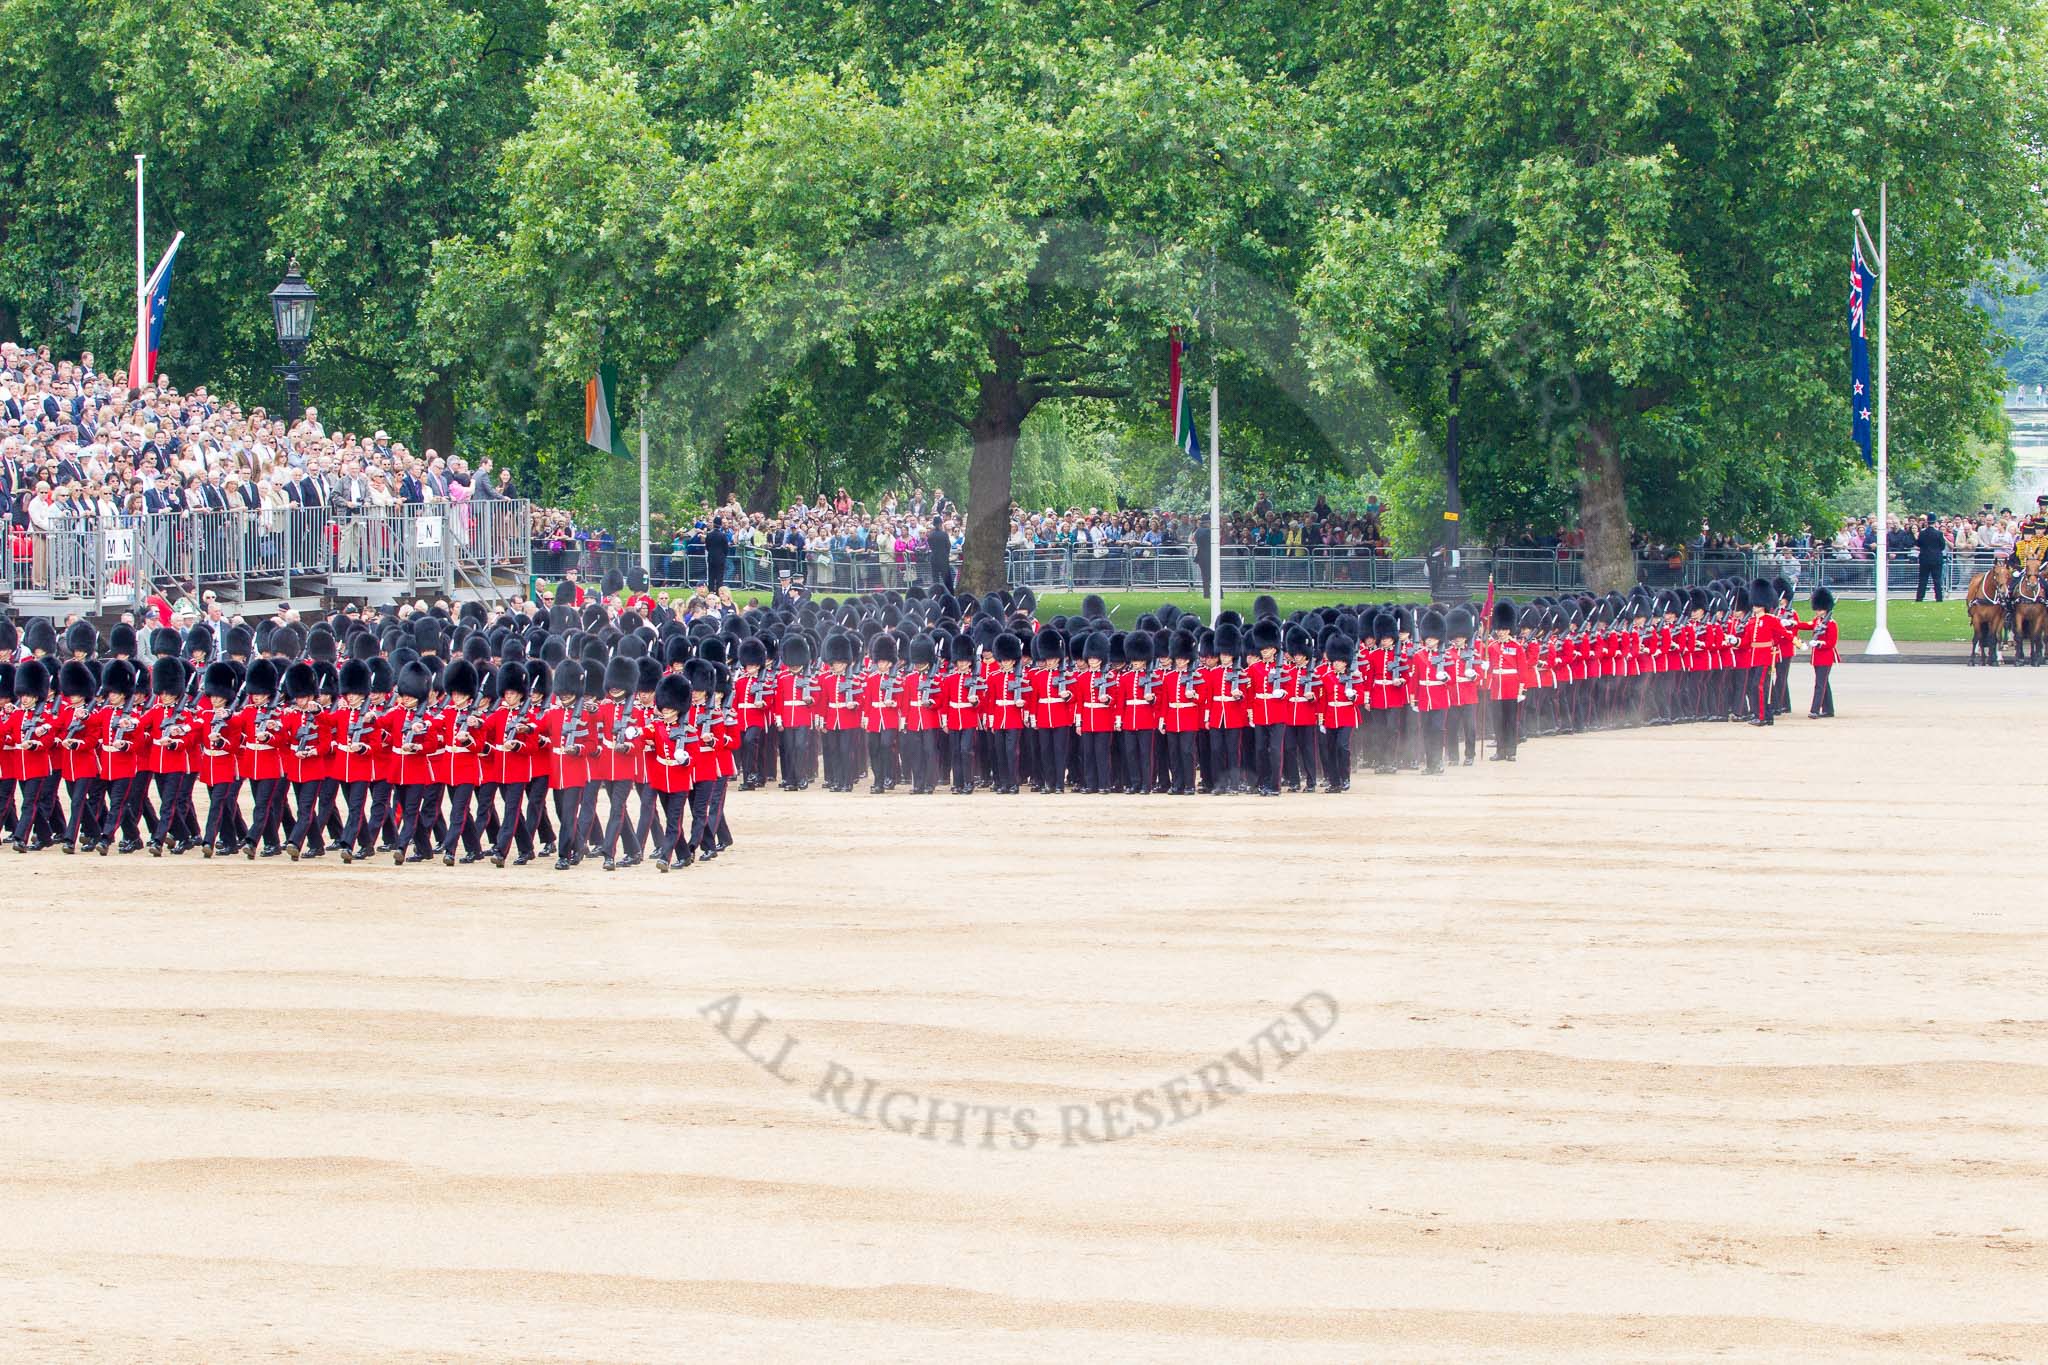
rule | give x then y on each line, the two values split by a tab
2029	616
1990	605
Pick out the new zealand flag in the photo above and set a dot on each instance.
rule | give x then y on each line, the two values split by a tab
1862	401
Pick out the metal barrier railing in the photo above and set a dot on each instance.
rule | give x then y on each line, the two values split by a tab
245	552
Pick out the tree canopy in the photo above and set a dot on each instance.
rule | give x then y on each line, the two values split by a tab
1561	261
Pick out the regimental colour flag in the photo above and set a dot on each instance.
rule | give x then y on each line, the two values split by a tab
149	332
1862	400
1183	415
600	412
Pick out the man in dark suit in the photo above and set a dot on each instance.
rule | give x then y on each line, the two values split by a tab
939	549
717	542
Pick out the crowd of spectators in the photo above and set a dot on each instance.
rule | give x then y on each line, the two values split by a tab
82	451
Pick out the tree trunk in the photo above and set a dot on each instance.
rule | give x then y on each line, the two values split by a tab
997	421
1603	510
436	413
766	497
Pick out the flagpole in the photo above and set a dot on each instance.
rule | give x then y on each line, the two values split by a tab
1880	631
139	352
646	552
1215	504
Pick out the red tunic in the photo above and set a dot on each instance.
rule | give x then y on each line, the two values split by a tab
1269	692
1340	699
1007	700
1179	702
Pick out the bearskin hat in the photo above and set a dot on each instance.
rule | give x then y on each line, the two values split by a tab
1092	608
39	636
321	646
121	639
167	676
1265	632
81	638
74	679
1739	598
118	677
959	649
300	681
163	640
1229	639
32	680
512	678
753	653
1138	648
702	676
219	681
1182	645
633	646
1432	627
882	649
1761	595
672	693
919	651
838	648
1781	590
240	642
355	678
1822	600
382	671
712	650
796	650
1299	642
613	582
565	594
1341	649
1264	608
620	674
10	638
1503	615
6	680
413	681
261	679
459	678
1008	648
287	641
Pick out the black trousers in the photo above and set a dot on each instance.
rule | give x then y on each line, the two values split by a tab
669	845
960	745
1229	748
1336	756
752	773
368	807
1137	760
1006	749
1823	691
1095	762
704	816
617	825
1929	574
1269	754
418	804
1301	755
525	803
316	809
1781	688
266	809
1180	761
569	821
126	798
88	801
173	808
1433	727
1507	727
1052	758
223	813
465	823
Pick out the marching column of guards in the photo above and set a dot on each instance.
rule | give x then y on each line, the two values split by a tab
614	732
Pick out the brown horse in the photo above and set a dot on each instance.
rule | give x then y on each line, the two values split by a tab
1990	594
2030	617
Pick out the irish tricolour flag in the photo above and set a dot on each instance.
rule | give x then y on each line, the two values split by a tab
601	410
1183	415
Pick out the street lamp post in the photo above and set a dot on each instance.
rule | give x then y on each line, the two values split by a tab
291	307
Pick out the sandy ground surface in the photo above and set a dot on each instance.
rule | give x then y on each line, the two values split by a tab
1662	1045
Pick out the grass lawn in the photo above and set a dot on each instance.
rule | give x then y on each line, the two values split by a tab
1945	621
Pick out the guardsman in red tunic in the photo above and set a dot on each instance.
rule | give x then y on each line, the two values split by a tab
1789	626
668	770
1226	691
1825	640
752	701
1269	707
413	736
513	740
960	711
123	694
1428	666
615	769
1383	678
882	705
796	713
1340	701
1137	712
923	758
1757	650
702	677
81	723
1504	678
1304	721
1093	690
259	757
1004	707
220	742
34	740
566	730
308	736
1179	704
1462	725
355	762
463	763
1049	723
